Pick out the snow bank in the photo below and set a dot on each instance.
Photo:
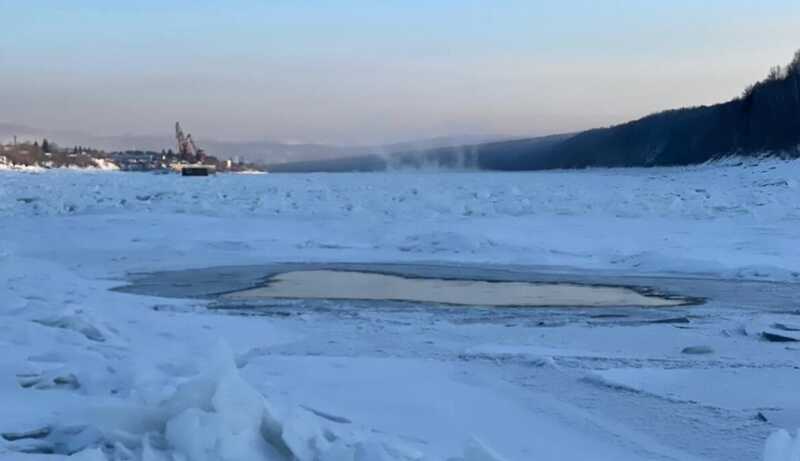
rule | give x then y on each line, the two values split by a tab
6	165
100	164
105	164
781	446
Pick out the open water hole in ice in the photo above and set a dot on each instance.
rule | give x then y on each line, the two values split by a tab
358	285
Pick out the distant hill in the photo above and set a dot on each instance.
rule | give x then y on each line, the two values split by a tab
259	152
494	155
270	152
765	120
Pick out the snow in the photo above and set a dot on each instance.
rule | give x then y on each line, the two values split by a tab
105	164
6	165
727	388
781	446
654	221
104	375
100	164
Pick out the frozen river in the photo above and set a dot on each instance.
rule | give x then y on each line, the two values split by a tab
659	369
121	338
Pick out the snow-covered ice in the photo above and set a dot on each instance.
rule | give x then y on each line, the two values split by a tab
94	374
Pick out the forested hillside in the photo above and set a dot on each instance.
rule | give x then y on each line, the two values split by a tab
764	120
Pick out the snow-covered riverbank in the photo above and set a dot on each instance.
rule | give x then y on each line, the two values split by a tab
100	164
120	375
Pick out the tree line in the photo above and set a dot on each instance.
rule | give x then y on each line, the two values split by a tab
764	120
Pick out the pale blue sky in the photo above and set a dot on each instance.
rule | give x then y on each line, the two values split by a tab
372	71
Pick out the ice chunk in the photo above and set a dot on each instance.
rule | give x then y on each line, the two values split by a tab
93	454
698	350
781	446
218	416
77	323
476	450
773	337
39	433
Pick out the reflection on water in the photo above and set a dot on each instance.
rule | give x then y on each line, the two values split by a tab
329	284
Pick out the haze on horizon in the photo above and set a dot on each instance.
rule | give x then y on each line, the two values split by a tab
357	71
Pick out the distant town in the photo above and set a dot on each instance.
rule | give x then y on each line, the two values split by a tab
47	154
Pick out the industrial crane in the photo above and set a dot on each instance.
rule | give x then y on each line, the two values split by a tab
187	149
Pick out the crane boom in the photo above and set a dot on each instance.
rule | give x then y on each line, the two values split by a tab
191	158
187	149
